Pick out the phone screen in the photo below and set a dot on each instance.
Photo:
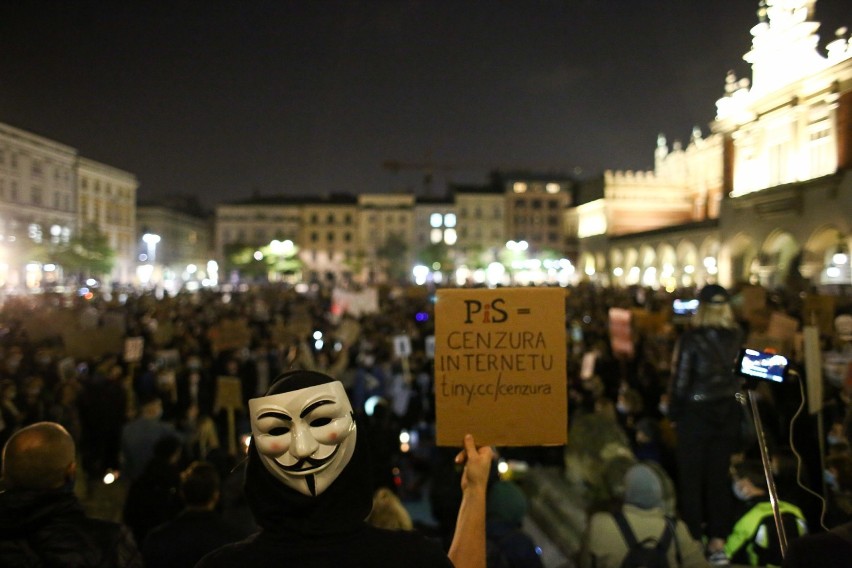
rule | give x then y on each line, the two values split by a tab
762	365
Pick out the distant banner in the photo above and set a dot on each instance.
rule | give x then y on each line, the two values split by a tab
229	335
356	304
620	332
500	360
92	343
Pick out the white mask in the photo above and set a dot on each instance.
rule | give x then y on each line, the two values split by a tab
305	437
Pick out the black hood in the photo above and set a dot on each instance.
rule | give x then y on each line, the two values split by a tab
22	510
342	507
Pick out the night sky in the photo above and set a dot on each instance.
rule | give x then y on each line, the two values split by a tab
226	98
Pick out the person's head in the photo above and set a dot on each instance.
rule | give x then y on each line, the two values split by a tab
199	485
168	449
749	479
839	471
714	308
304	430
388	511
8	389
39	457
151	406
506	503
642	487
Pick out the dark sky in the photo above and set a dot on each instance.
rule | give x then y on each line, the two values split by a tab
224	98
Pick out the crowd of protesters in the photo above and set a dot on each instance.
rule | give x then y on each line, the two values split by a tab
149	419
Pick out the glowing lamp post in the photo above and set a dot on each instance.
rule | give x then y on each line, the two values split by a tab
151	240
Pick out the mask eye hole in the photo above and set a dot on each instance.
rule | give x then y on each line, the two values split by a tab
279	431
316	423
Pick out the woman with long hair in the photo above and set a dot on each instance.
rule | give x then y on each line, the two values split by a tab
707	417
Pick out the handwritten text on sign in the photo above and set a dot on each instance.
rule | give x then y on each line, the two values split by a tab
500	366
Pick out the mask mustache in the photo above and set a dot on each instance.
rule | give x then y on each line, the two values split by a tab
312	462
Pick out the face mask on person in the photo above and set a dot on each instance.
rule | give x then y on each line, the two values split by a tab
305	438
830	480
740	491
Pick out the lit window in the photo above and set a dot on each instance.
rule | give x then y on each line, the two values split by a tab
435	220
552	188
450	220
450	236
519	187
436	235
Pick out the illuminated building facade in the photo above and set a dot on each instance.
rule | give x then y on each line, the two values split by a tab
174	245
763	198
106	197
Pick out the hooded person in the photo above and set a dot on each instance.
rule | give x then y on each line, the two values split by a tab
308	486
605	544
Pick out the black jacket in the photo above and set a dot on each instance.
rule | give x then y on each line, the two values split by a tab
703	370
182	542
51	529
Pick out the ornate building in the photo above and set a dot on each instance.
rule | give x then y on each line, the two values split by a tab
765	196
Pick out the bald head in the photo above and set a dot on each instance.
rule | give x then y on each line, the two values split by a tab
40	457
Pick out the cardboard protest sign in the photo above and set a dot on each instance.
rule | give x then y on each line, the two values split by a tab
115	321
783	328
42	325
620	332
500	366
92	343
402	346
349	331
649	323
813	369
67	369
164	333
280	334
429	346
819	311
133	349
751	300
587	367
229	397
229	334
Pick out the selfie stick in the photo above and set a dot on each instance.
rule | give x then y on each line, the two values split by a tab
750	385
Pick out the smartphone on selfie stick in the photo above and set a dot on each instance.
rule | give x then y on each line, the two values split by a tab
756	366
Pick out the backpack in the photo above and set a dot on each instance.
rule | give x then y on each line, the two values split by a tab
651	552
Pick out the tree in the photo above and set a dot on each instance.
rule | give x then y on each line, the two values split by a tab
392	253
260	262
87	253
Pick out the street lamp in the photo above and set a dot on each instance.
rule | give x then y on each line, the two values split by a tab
151	240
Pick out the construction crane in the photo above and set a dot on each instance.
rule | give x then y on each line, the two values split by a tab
429	169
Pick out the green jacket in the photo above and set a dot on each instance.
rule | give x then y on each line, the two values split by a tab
754	539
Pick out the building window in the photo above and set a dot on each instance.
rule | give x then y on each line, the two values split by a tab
347	237
822	159
552	188
436	220
13	192
34	232
314	237
436	236
519	187
330	219
314	219
536	204
347	219
329	237
450	220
